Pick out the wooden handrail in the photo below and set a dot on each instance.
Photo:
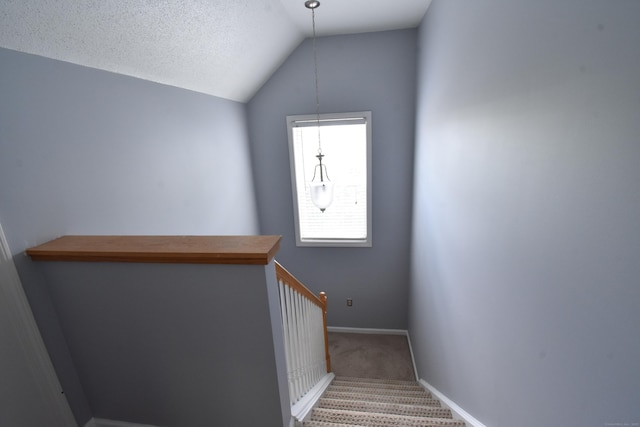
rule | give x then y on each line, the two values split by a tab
290	280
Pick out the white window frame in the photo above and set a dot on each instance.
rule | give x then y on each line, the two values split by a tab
311	120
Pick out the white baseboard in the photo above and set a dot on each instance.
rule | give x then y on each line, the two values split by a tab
346	330
101	422
458	412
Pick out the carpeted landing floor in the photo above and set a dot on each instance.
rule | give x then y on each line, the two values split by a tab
371	356
375	386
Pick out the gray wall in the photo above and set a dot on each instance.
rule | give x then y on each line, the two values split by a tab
525	260
174	345
376	72
84	151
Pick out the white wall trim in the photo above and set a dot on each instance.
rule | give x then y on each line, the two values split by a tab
413	359
32	346
345	330
303	407
458	412
102	422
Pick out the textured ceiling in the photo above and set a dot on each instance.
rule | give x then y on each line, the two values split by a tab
225	48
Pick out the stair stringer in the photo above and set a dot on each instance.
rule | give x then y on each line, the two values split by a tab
302	408
456	410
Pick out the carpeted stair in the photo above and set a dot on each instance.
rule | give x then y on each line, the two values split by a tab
365	402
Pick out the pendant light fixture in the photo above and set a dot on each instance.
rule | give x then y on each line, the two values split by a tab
322	190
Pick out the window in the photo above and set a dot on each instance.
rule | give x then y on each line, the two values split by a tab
346	145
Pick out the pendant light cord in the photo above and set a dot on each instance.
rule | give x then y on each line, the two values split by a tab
315	65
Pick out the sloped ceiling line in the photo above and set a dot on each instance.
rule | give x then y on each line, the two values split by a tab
225	48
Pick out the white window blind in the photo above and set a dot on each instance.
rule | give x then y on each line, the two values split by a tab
345	141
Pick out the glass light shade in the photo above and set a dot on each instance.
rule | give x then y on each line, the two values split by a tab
321	194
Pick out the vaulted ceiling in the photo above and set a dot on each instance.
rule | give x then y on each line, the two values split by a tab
225	48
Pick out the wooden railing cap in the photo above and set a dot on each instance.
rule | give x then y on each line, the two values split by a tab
255	250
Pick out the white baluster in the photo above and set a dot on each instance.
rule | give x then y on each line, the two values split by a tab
302	322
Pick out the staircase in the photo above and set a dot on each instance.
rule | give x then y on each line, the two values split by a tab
352	402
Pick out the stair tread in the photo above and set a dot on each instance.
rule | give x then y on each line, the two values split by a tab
376	380
408	400
328	424
380	420
382	391
372	402
382	386
384	407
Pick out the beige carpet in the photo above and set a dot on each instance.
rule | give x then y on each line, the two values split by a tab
375	386
366	402
370	356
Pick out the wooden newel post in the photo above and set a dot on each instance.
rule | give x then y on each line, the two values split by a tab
323	298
